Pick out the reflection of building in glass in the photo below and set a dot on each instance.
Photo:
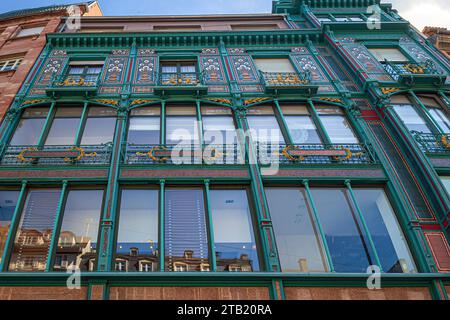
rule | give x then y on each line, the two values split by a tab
74	250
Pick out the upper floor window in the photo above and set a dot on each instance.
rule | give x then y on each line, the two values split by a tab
85	72
179	72
300	124
30	126
144	127
388	54
274	65
264	125
218	125
8	203
181	125
29	31
12	63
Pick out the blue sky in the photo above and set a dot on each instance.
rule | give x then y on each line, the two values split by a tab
419	12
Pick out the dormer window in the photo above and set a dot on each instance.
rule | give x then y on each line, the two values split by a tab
388	54
85	72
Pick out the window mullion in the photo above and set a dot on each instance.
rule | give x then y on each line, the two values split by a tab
284	127
13	227
161	225
47	124
319	225
81	124
162	130
210	228
364	224
53	243
319	125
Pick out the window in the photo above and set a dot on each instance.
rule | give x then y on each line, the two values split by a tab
100	126
144	126
137	239
412	120
32	241
12	63
218	125
30	126
185	235
29	31
85	72
64	126
179	73
79	230
446	183
389	54
300	243
300	124
274	65
8	203
181	125
336	124
264	126
234	240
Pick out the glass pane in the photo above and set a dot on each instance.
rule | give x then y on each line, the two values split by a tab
63	131
386	234
94	69
234	240
76	70
446	183
181	110
290	109
35	113
168	68
390	54
338	129
27	132
146	111
219	130
187	68
102	112
441	119
8	203
77	242
302	129
274	65
181	130
33	237
68	112
215	110
265	129
144	130
30	31
345	241
186	240
411	118
137	239
260	110
98	131
299	247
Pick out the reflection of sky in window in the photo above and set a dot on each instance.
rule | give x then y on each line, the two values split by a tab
138	224
8	201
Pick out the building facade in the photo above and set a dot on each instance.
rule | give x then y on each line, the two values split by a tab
277	156
22	38
440	37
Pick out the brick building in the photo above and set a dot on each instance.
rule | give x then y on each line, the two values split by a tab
280	156
440	37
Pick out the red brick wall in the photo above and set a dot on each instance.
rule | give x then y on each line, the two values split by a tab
11	81
189	293
328	293
42	293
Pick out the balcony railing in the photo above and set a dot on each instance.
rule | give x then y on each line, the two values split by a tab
137	154
438	144
409	73
73	84
57	155
274	82
180	83
315	154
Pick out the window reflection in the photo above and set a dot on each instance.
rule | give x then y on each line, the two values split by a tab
234	240
100	126
8	203
64	126
137	241
411	118
32	241
77	242
185	236
265	129
298	244
30	126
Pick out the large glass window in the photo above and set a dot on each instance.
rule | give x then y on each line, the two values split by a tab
8	203
137	240
77	243
446	183
387	236
218	125
32	241
300	124
263	125
441	119
144	127
336	124
234	240
179	73
185	235
64	126
274	65
412	120
99	127
298	242
30	126
181	125
389	54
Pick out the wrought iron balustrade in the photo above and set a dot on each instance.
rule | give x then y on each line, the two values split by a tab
438	144
315	154
57	155
288	81
180	83
137	154
73	84
409	73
